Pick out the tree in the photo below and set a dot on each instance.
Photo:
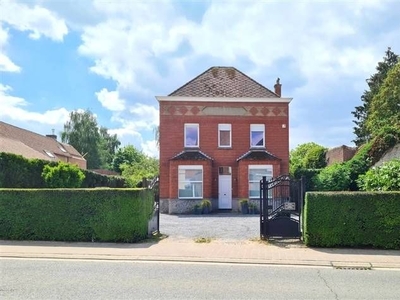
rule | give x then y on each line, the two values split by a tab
127	155
108	147
362	112
96	145
135	172
307	156
385	105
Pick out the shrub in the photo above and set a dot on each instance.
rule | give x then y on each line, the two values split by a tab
352	219
63	176
335	177
383	178
19	172
106	215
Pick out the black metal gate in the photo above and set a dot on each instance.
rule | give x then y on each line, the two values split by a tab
281	203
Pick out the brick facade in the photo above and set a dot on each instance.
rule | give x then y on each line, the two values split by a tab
339	154
240	113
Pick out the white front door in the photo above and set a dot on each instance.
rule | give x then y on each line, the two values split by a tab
225	192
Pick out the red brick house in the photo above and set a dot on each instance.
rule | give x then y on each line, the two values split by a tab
219	134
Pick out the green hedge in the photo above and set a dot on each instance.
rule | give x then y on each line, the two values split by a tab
19	172
104	215
352	219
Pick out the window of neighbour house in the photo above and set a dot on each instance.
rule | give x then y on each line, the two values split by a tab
256	173
224	135
257	135
190	182
191	135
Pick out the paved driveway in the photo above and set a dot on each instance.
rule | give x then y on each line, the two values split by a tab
222	226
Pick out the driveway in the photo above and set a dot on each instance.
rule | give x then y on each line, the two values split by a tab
220	226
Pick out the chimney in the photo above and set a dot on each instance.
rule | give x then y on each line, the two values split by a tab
277	87
52	135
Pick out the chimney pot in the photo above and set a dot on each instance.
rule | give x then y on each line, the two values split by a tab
278	87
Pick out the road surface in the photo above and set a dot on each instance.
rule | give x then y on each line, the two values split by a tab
96	279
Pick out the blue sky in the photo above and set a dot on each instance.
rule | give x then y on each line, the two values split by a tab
114	57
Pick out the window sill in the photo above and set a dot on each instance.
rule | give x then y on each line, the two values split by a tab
225	147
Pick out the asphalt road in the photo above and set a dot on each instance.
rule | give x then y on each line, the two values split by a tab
221	226
75	279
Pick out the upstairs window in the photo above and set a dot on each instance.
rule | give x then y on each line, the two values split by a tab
257	135
191	135
224	135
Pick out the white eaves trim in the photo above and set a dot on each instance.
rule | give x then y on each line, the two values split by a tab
222	99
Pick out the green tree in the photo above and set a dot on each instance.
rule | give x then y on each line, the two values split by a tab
383	178
307	156
108	147
135	172
63	175
385	105
94	143
127	155
361	113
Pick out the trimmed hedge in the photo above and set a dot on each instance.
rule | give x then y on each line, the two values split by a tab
103	215
352	219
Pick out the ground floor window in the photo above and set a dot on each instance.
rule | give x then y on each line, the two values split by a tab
190	182
256	173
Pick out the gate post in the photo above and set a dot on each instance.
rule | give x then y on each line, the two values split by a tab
263	208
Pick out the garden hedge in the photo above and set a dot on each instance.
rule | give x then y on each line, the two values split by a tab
19	172
103	215
352	219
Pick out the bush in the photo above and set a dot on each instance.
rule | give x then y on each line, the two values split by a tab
352	219
19	172
383	178
63	176
335	177
105	215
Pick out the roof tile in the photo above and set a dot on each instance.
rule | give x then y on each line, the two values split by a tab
224	82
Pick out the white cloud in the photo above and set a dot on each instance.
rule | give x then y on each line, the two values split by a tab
125	45
111	100
37	20
16	109
150	148
6	65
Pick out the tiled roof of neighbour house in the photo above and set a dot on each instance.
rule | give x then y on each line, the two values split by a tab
16	147
32	145
224	82
258	155
191	155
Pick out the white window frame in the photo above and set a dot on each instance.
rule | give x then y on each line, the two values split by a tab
224	127
190	182
198	135
257	127
269	169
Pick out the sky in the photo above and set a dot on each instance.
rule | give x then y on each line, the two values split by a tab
113	57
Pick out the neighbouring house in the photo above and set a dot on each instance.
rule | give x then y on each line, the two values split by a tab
32	145
339	154
219	134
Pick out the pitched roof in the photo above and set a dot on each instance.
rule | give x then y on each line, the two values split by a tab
32	145
258	155
191	155
224	82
